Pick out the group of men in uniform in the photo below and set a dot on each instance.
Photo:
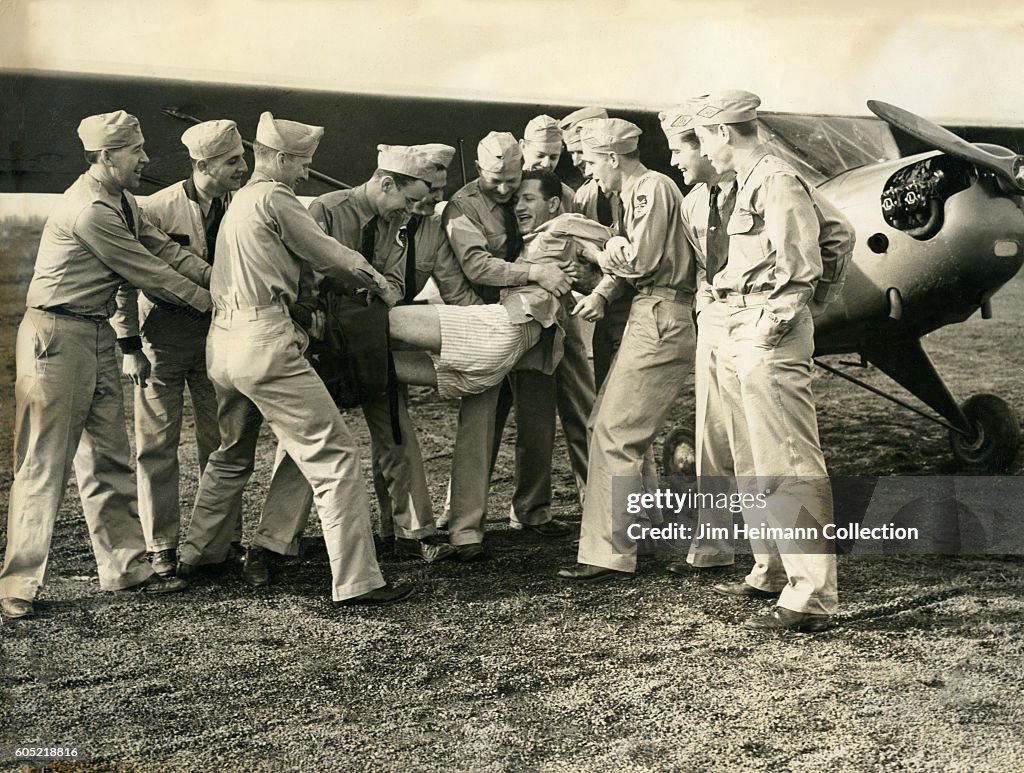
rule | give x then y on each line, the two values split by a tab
751	248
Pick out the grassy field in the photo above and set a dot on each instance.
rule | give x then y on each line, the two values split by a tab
500	667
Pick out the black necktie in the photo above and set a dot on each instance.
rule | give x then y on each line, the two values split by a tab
211	223
618	213
369	239
605	216
717	240
129	219
513	241
410	260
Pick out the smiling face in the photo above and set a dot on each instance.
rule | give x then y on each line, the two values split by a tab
539	156
125	165
533	208
225	172
397	198
500	186
687	158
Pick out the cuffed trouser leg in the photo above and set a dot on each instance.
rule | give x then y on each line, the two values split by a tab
768	393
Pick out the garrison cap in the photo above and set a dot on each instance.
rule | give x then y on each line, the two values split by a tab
544	130
406	159
734	106
109	130
299	139
211	138
440	156
572	124
499	152
676	122
610	135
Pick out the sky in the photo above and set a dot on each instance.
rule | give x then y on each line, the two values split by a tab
940	61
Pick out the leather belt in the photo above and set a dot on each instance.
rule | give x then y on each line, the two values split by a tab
668	293
61	311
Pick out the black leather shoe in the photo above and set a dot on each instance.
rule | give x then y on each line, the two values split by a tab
256	567
590	573
426	549
13	608
236	553
549	529
163	561
156	584
742	590
390	593
469	553
781	619
185	571
686	569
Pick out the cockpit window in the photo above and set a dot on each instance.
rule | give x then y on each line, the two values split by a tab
820	147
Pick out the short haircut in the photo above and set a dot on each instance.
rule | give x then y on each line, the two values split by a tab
743	128
550	185
401	180
263	152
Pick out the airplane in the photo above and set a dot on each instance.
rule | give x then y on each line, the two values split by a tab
939	220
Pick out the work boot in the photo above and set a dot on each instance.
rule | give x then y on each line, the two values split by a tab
427	549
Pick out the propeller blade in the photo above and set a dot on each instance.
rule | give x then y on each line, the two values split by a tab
1006	164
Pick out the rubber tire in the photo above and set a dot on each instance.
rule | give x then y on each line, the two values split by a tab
999	440
680	441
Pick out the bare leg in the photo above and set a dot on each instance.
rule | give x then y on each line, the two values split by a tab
417	326
415	368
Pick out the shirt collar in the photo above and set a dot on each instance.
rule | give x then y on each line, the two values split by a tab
743	174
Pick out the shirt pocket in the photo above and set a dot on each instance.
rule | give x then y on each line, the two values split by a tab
741	221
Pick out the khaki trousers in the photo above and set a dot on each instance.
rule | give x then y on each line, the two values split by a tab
714	462
471	463
569	391
404	497
175	345
773	434
255	361
70	412
647	376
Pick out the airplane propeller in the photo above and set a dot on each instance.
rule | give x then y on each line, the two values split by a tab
1007	165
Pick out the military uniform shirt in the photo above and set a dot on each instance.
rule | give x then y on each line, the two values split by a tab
87	252
435	258
662	254
774	235
696	208
476	230
343	215
265	238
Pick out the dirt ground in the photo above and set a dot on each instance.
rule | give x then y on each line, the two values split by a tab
498	666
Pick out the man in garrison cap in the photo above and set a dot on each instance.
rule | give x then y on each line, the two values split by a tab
780	232
368	219
255	360
69	401
657	348
706	210
606	208
567	393
483	230
165	349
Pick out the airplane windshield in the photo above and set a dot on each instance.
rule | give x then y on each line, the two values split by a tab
820	147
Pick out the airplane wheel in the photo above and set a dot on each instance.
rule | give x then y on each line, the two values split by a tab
678	453
998	440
